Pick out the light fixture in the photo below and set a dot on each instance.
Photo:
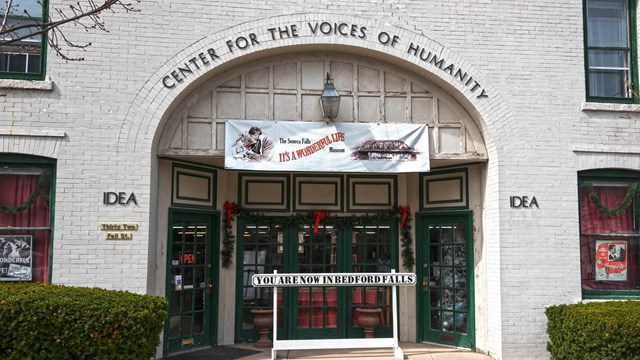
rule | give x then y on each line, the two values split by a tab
329	100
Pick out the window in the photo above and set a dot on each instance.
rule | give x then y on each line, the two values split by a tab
609	44
23	59
25	219
609	233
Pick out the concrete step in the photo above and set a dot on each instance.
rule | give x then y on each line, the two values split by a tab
412	351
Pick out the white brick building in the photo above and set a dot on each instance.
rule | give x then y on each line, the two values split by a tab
500	85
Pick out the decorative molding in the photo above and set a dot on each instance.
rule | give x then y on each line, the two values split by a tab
368	193
193	186
264	192
318	192
444	190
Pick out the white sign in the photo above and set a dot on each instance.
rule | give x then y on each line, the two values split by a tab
333	279
314	146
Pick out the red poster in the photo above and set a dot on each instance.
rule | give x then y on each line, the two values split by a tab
611	260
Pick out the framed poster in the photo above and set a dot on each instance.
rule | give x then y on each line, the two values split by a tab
16	262
611	260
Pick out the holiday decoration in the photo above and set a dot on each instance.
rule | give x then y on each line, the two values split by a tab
634	189
400	214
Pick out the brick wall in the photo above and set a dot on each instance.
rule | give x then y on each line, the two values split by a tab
528	56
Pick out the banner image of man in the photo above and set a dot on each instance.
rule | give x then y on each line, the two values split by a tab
16	262
616	253
253	145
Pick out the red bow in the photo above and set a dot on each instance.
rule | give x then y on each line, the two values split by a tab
404	210
318	215
229	208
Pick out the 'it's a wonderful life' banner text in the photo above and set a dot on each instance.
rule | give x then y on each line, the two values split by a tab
320	146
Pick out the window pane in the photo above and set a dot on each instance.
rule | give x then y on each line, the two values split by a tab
593	220
24	255
609	235
4	62
20	22
608	23
18	7
21	56
25	194
608	83
34	64
609	263
18	62
609	59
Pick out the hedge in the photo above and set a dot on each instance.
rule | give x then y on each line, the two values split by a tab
59	322
598	331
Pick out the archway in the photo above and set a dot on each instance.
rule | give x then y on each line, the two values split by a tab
171	100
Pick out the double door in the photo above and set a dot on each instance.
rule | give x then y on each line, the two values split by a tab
305	312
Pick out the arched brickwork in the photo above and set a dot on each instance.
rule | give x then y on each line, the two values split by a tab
288	33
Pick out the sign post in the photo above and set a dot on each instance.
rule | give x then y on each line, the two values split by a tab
391	279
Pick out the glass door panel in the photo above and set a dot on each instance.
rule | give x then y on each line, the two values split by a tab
317	307
263	250
447	312
371	251
190	283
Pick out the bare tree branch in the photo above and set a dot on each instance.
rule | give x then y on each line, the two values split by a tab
85	15
6	15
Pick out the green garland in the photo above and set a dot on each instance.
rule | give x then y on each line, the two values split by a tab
42	182
408	259
628	199
340	222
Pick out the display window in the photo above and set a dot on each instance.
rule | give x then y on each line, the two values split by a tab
610	234
26	199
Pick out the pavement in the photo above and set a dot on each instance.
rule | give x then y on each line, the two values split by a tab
412	351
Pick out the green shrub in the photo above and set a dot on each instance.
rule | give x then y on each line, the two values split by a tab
598	331
58	322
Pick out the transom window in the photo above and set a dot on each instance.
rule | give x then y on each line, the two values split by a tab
610	233
609	43
21	55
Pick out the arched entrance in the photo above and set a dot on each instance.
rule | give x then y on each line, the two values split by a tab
281	81
287	88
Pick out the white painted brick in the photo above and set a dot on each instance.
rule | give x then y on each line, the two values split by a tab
529	55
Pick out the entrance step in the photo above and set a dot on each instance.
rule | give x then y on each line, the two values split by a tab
412	351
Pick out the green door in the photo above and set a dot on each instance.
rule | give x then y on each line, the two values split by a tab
446	269
269	244
191	280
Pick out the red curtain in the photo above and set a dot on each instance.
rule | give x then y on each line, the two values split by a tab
14	192
594	221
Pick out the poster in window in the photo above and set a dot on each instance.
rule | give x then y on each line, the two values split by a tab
611	260
16	262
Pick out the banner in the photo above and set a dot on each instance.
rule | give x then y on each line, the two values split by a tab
611	260
321	146
16	261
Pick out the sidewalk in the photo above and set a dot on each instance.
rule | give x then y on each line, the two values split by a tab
412	351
